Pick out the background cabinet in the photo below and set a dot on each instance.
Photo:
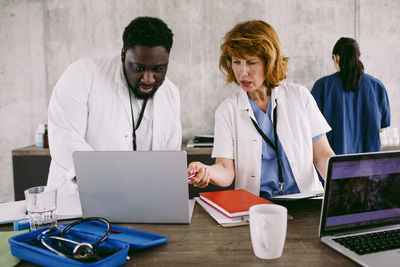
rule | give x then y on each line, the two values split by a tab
31	168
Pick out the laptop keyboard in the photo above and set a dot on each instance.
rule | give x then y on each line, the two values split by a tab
372	242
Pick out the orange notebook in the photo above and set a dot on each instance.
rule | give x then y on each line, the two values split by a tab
232	203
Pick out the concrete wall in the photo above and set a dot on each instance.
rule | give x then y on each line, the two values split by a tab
39	39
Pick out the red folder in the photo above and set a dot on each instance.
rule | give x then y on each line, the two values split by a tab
232	203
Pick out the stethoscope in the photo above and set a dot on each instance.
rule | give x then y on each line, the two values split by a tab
272	145
134	128
134	146
82	251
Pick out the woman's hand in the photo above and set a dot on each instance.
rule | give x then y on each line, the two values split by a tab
202	177
220	174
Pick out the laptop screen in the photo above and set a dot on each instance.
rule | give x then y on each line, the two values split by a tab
362	190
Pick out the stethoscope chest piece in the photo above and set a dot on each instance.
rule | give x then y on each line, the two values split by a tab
81	251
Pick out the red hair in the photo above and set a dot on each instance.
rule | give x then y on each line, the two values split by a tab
254	38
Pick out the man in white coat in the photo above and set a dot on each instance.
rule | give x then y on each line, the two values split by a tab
121	102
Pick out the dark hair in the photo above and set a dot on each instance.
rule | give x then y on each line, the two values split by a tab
147	31
351	68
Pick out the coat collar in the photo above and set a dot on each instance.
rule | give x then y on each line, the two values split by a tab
119	77
244	104
123	92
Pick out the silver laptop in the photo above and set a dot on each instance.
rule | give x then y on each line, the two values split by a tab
134	186
360	215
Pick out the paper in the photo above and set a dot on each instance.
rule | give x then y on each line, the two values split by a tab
319	194
69	209
11	211
6	258
220	218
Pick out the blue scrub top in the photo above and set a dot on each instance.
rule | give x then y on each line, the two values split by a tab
269	166
355	117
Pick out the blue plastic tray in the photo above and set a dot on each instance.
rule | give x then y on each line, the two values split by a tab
121	238
135	238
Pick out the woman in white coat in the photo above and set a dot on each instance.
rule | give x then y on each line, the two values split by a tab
269	136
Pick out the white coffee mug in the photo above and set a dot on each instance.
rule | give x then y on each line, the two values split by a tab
268	230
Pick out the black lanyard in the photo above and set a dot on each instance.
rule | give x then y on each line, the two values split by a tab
272	145
133	121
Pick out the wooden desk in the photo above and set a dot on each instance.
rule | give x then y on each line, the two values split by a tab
204	242
31	168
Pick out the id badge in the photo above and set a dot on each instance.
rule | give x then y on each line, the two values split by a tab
279	192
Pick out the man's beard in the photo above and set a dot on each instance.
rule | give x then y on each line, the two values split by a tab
140	95
136	91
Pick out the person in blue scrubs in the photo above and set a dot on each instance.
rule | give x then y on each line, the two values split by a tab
355	104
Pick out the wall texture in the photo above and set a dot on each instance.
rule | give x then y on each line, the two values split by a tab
39	39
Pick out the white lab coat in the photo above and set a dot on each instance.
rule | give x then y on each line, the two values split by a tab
299	120
89	110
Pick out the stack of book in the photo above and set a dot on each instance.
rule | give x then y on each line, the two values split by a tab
201	141
230	207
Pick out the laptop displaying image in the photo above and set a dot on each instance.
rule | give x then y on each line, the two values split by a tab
134	186
360	215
